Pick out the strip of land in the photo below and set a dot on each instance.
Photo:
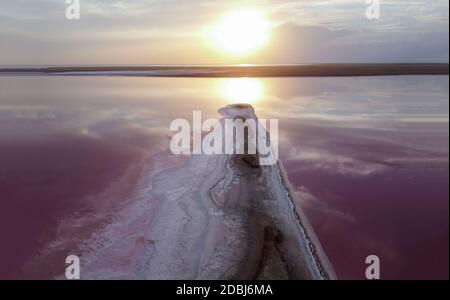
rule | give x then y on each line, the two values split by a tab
205	217
316	70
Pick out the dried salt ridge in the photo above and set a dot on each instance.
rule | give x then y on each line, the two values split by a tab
208	217
290	244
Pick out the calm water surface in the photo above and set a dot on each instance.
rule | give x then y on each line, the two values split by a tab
368	157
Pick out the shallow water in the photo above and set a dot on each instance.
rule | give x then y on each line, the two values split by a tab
368	157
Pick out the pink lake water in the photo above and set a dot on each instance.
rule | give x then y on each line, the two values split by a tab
367	156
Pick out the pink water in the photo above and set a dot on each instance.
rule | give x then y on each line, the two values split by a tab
368	158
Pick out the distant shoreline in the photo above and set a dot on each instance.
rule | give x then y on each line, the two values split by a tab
312	70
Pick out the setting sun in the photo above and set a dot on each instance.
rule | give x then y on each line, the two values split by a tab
241	32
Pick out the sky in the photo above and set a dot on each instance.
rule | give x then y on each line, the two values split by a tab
36	32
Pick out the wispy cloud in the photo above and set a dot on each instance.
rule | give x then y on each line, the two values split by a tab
420	27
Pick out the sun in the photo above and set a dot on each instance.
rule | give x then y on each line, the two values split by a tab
241	32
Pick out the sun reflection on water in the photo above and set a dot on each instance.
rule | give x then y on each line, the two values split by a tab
242	90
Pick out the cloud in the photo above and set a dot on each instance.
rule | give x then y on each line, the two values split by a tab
318	44
170	31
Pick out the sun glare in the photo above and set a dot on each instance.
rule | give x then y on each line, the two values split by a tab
242	90
241	32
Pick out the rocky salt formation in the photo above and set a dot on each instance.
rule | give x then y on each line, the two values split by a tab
207	217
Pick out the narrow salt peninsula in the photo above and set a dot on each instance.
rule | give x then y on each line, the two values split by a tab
208	217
